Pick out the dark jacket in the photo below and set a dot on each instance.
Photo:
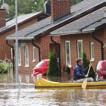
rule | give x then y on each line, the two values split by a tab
78	72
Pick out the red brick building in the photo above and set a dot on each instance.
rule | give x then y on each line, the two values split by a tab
70	30
8	27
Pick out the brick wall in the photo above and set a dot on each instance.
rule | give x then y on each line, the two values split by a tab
104	43
2	17
60	8
87	38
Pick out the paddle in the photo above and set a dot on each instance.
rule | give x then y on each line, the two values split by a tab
84	84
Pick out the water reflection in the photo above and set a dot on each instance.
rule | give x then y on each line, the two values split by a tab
27	95
53	97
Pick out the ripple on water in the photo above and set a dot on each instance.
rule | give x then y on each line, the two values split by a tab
51	97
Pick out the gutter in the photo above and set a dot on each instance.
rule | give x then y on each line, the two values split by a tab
11	46
101	43
33	43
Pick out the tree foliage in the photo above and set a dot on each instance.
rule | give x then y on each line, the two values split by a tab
85	61
76	1
27	6
53	72
24	6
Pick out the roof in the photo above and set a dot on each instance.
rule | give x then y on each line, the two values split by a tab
85	24
48	25
34	28
21	19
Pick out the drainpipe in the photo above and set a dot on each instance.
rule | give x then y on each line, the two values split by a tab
59	51
102	48
33	43
11	46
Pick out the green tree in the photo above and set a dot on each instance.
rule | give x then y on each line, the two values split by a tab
53	71
85	61
76	1
24	6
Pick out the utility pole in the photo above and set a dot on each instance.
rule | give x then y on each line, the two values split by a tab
16	42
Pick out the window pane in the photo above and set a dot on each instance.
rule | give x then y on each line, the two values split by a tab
35	54
19	56
80	48
26	56
92	50
68	53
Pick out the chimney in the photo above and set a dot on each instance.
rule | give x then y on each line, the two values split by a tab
2	17
60	8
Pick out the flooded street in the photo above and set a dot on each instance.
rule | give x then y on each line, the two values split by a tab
27	95
52	97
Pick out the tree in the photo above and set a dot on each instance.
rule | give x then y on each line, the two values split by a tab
24	6
76	1
86	63
53	71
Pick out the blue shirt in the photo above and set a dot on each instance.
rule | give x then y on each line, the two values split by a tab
78	72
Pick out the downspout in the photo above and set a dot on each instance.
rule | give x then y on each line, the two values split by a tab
33	43
101	43
59	52
11	46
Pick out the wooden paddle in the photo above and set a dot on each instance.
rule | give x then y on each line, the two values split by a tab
84	84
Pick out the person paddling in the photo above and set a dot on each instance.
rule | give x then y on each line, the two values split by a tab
79	71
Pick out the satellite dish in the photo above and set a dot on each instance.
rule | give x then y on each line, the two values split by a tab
6	7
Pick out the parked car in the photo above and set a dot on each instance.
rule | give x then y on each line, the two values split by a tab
101	69
41	67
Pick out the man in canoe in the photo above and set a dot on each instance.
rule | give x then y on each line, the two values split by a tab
79	72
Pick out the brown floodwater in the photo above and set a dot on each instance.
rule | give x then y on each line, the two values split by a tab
25	94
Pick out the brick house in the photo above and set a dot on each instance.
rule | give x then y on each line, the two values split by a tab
8	27
68	31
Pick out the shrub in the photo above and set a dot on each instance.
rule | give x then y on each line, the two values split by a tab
53	66
86	63
5	67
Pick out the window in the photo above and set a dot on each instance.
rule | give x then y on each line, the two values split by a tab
92	53
80	48
26	56
12	53
19	56
35	54
68	53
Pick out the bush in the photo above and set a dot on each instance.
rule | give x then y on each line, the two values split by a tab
67	70
5	67
53	66
86	63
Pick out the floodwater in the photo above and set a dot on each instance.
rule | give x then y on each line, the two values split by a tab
26	95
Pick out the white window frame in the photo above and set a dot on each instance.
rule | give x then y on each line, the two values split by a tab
92	51
19	56
12	53
80	54
26	56
68	55
34	54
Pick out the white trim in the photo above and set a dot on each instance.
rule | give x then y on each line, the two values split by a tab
34	54
92	52
11	53
68	54
80	52
19	56
26	56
